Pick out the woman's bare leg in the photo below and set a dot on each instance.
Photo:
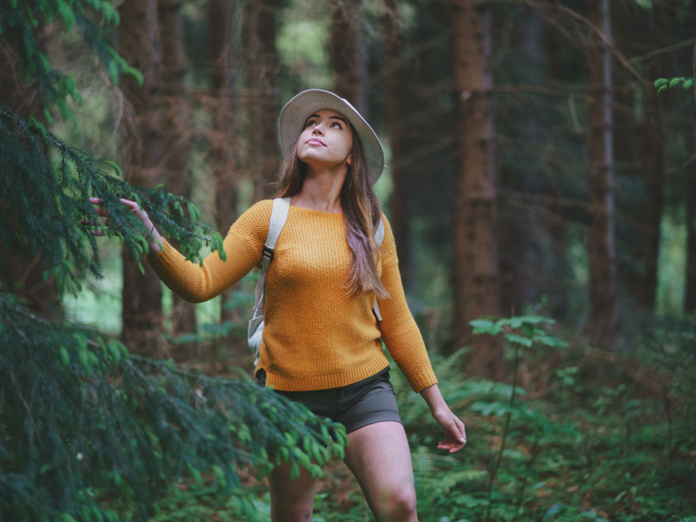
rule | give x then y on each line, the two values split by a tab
379	457
291	500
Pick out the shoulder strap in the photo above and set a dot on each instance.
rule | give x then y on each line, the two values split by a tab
279	214
379	234
379	238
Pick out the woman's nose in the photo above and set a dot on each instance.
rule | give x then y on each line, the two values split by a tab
318	129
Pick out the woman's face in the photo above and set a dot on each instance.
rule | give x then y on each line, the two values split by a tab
326	141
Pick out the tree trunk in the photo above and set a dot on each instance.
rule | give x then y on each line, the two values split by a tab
690	297
223	143
345	50
521	229
262	70
603	313
560	274
176	131
25	277
475	264
652	171
395	97
141	139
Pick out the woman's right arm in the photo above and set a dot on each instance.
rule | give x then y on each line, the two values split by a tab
200	282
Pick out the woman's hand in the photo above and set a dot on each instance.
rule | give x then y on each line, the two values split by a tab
154	238
454	430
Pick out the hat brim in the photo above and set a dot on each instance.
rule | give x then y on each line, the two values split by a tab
303	105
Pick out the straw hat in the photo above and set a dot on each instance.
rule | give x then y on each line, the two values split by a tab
303	105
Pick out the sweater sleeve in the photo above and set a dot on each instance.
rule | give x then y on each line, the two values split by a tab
243	245
400	332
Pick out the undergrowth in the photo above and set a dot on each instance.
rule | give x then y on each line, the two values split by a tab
588	434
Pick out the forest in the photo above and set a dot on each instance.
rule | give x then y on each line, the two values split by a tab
541	186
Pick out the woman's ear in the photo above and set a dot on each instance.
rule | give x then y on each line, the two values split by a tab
349	160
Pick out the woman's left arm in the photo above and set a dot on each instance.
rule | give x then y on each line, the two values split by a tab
453	427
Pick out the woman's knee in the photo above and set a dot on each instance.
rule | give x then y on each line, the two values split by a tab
397	504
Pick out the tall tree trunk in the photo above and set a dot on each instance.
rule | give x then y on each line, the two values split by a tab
603	313
223	143
520	229
176	130
560	272
345	51
475	264
395	97
262	73
142	293
652	171
25	277
690	297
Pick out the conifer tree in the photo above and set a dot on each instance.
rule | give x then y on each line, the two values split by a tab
82	422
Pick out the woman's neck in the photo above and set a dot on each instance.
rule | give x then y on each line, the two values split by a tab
321	191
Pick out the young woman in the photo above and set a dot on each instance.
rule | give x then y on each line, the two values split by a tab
322	341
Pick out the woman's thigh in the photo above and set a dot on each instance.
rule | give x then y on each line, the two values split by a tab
291	500
379	456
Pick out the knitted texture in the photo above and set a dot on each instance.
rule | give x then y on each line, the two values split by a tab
316	336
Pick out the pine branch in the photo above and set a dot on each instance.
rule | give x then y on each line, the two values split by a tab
48	205
80	414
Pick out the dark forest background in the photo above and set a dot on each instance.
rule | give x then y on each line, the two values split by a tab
540	183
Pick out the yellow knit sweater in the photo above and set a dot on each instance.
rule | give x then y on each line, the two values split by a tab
316	336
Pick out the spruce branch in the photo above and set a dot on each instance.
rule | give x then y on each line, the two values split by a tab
80	414
52	217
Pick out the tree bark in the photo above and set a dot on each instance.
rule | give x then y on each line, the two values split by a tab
690	297
223	143
24	277
176	131
603	313
262	70
395	98
475	264
142	156
345	51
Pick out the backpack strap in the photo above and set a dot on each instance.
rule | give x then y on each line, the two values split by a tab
279	215
379	238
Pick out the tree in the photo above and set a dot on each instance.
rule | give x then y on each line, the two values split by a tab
224	141
395	104
603	312
475	263
142	158
176	130
345	50
261	64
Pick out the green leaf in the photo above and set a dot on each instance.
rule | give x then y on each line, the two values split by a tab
674	82
661	81
519	339
688	84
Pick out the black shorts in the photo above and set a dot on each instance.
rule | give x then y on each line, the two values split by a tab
355	406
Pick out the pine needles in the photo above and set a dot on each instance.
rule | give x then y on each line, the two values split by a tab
47	204
82	421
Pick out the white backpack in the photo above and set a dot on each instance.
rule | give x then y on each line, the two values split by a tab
279	214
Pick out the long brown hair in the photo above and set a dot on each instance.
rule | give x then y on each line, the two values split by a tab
361	213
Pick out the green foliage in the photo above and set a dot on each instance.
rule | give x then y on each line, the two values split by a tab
584	442
52	216
686	83
86	429
22	21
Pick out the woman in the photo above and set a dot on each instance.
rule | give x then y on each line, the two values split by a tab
322	341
